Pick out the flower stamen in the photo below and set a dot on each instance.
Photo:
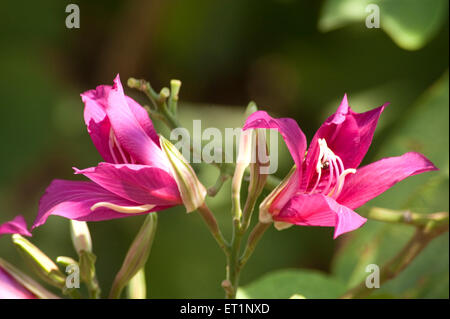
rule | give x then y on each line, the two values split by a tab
337	172
123	209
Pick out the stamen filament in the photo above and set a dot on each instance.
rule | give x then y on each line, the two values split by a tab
123	209
111	146
120	150
337	171
341	179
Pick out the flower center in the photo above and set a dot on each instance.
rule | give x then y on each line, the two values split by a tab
336	177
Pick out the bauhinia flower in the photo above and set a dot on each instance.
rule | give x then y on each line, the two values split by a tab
326	185
136	177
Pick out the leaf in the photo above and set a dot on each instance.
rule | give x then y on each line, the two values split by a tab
424	129
410	23
286	283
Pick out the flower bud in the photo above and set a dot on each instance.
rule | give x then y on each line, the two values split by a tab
81	237
251	108
16	285
66	261
39	262
137	288
244	157
137	255
259	164
192	192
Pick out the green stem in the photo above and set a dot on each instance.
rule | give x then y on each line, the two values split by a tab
233	267
94	288
407	217
213	190
213	227
248	209
252	241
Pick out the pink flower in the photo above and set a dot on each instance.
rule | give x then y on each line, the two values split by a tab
10	288
327	186
134	179
16	226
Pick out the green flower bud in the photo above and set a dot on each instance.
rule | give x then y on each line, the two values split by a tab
39	262
81	237
192	192
137	288
137	255
259	164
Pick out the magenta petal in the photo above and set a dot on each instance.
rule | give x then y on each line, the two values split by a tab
286	193
74	199
320	210
143	119
138	183
16	226
129	132
97	122
288	128
10	288
348	134
373	179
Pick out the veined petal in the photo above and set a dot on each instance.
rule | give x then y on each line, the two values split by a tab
74	200
99	125
16	226
129	132
143	119
348	134
373	179
320	210
10	288
137	183
288	128
97	122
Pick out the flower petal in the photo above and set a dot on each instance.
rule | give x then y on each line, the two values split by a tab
74	199
288	128
129	132
138	183
10	288
373	179
348	134
98	122
16	226
320	210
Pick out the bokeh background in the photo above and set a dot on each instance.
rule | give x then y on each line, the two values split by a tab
293	58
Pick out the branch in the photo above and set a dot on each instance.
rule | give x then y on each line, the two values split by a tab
429	226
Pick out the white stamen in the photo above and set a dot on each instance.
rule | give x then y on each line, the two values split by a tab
341	180
123	209
111	146
331	166
337	172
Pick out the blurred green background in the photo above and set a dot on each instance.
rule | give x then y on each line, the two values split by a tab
293	58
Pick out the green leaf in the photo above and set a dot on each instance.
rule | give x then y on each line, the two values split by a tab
284	284
424	129
410	23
